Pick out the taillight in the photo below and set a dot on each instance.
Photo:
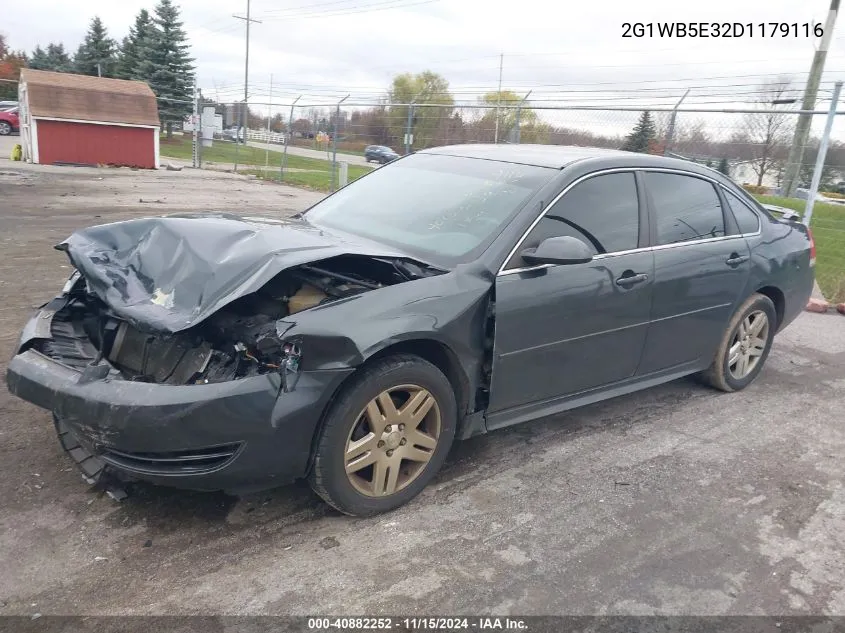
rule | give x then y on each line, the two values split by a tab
812	248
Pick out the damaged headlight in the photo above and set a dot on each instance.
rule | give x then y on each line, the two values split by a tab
71	282
290	366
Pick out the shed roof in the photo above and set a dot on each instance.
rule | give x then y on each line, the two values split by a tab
84	98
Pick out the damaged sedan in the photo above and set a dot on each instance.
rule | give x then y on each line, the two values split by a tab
455	291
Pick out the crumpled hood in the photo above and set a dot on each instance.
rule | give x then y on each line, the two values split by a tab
170	273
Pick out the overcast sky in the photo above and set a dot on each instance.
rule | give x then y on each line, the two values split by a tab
328	48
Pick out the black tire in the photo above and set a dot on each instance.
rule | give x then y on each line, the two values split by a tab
5	128
328	476
719	374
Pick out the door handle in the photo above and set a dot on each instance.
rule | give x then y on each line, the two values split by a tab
631	279
736	260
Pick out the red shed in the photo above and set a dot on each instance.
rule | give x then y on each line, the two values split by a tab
87	120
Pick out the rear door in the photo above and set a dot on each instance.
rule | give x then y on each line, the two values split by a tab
564	329
701	268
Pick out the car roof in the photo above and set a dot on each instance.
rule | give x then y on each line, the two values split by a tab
561	156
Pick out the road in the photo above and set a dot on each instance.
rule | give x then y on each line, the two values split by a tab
676	500
352	159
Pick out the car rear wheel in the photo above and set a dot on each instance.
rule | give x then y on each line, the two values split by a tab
385	437
5	128
745	345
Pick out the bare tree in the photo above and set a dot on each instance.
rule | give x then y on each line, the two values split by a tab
692	139
768	131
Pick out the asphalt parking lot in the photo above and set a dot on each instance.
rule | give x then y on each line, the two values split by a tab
676	500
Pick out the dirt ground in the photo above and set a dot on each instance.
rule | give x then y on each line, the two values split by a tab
676	500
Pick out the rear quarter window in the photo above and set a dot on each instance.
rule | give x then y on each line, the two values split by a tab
746	218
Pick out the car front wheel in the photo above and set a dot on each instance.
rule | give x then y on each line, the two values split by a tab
5	128
385	437
745	345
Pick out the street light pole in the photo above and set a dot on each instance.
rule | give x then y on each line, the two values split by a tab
670	132
817	172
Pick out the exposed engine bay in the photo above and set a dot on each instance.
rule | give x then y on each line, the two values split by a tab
237	341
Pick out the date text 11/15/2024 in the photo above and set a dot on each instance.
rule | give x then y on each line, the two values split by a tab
459	623
722	29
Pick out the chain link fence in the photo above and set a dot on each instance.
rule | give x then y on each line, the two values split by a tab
323	147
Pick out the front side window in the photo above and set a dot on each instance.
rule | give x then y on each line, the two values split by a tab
686	208
747	220
602	212
442	209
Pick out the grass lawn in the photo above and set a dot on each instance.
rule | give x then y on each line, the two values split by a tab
180	146
316	180
828	225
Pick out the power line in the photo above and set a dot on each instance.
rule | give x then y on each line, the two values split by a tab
394	4
308	9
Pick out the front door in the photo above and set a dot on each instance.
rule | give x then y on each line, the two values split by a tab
565	329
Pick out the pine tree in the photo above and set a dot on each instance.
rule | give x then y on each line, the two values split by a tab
58	59
165	64
724	167
643	134
128	60
96	55
54	58
38	59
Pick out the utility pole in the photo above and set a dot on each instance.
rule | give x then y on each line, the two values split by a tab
195	121
499	98
518	132
817	172
334	142
269	114
802	128
288	140
200	133
245	109
670	131
99	70
409	136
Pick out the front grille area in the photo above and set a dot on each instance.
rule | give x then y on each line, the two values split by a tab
191	462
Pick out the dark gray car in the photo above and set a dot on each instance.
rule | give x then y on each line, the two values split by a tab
456	291
380	154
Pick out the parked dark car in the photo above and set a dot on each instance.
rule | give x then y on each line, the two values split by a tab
456	291
9	122
379	154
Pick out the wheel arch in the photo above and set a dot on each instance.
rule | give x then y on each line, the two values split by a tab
777	297
433	351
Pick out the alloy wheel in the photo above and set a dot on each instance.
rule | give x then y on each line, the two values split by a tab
748	344
5	128
392	440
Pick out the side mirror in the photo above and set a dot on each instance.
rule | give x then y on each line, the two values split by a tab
559	250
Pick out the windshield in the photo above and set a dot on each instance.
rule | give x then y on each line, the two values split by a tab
444	209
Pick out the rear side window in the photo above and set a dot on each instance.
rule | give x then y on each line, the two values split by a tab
686	208
746	219
602	212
